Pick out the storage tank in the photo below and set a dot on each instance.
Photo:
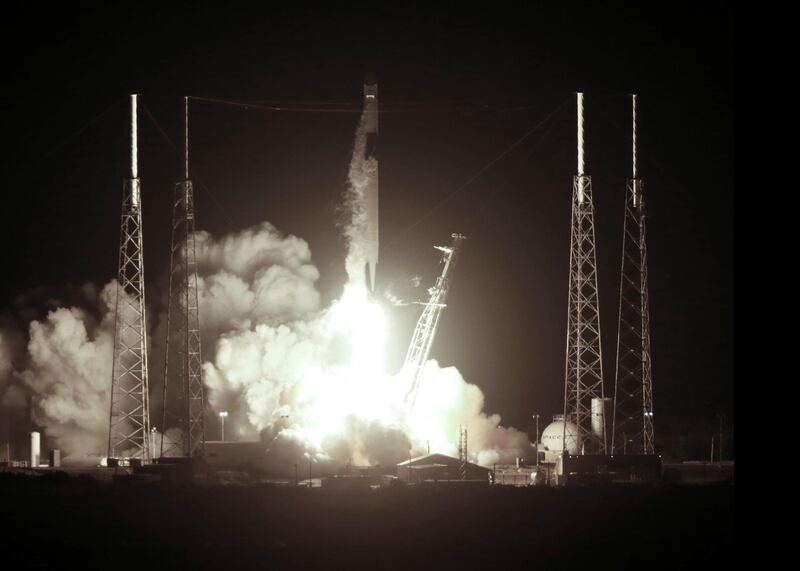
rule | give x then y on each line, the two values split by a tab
35	449
600	413
553	436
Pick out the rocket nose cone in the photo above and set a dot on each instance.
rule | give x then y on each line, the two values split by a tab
370	79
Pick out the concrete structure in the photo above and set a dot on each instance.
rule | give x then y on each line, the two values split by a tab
437	468
55	458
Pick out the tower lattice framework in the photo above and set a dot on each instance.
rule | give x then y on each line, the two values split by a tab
183	372
428	322
583	384
129	423
633	392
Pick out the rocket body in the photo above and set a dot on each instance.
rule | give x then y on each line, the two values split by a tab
370	118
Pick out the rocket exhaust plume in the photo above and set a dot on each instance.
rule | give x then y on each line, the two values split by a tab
362	193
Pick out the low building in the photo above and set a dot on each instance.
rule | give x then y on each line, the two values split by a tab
439	468
592	468
514	475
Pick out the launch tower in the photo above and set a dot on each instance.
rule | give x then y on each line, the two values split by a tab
633	383
129	422
183	376
583	386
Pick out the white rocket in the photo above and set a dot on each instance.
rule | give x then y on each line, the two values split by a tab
370	118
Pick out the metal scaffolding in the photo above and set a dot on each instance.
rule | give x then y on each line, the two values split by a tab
183	357
583	383
129	418
633	382
425	331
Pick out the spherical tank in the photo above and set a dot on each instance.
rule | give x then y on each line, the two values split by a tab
553	435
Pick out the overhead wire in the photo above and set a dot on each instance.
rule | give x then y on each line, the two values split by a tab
482	170
319	107
180	154
69	138
489	200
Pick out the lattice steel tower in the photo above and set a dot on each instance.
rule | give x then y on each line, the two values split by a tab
633	382
129	422
583	386
183	358
425	331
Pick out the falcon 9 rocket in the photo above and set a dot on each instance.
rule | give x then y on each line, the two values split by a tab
370	118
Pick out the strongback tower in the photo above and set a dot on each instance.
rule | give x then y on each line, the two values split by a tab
633	383
583	384
183	359
129	425
425	331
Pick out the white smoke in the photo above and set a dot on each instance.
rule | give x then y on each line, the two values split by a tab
68	375
314	378
307	380
252	277
362	170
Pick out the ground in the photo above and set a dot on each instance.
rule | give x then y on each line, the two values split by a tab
56	519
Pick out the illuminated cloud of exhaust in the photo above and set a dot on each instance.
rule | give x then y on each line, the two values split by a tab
68	374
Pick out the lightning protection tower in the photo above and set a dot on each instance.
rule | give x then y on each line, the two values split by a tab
183	378
583	386
633	382
425	331
129	422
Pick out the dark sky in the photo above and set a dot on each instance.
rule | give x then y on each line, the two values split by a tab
457	87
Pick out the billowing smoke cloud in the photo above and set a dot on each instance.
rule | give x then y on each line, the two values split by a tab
253	277
67	373
308	381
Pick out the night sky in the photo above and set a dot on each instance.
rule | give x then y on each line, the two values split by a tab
458	87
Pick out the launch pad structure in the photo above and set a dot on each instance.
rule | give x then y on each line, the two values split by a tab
583	382
425	331
633	386
183	362
585	420
129	417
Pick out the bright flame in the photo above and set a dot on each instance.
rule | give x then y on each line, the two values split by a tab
357	384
